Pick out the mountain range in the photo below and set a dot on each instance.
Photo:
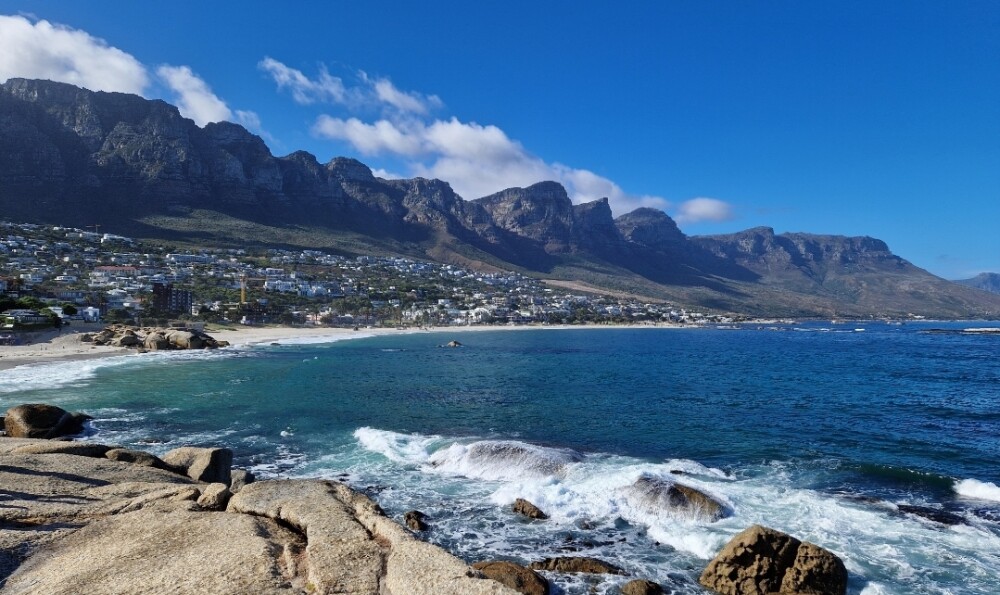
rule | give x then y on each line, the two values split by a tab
74	157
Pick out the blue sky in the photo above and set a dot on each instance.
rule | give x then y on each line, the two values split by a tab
852	118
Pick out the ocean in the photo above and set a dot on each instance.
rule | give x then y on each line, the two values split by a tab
880	442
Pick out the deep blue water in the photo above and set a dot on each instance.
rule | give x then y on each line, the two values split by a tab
822	431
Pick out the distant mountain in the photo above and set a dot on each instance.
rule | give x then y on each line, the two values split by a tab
134	166
986	281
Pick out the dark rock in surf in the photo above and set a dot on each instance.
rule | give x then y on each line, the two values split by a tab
762	561
576	565
416	520
654	493
517	577
522	506
936	515
641	587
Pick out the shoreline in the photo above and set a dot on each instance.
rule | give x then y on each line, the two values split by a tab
51	347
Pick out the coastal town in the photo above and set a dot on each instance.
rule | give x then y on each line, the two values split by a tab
51	275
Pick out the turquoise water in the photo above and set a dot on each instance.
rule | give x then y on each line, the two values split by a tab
827	432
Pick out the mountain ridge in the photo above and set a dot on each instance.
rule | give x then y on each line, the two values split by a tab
136	166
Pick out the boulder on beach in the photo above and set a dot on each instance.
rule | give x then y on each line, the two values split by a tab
655	494
155	341
36	420
523	507
517	577
182	339
576	564
763	561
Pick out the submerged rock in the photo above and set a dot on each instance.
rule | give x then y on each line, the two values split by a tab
655	494
517	577
641	587
523	507
762	561
932	514
576	564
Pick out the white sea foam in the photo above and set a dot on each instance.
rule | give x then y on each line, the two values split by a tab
982	490
307	340
502	460
406	449
57	374
886	553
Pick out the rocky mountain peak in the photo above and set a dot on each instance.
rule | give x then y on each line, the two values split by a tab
650	227
346	169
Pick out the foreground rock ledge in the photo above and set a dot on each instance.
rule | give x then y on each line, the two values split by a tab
763	561
72	524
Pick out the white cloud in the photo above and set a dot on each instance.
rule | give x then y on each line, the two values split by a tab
476	160
326	88
406	102
371	139
194	98
304	90
703	209
42	50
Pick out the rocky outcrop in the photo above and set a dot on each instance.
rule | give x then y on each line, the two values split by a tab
523	507
517	577
658	494
42	421
91	524
762	561
153	338
211	465
580	564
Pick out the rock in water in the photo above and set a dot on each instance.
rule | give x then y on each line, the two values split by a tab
576	564
641	587
36	420
654	493
762	561
517	577
416	520
211	465
522	506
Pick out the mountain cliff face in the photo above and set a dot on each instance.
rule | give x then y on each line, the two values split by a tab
75	157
